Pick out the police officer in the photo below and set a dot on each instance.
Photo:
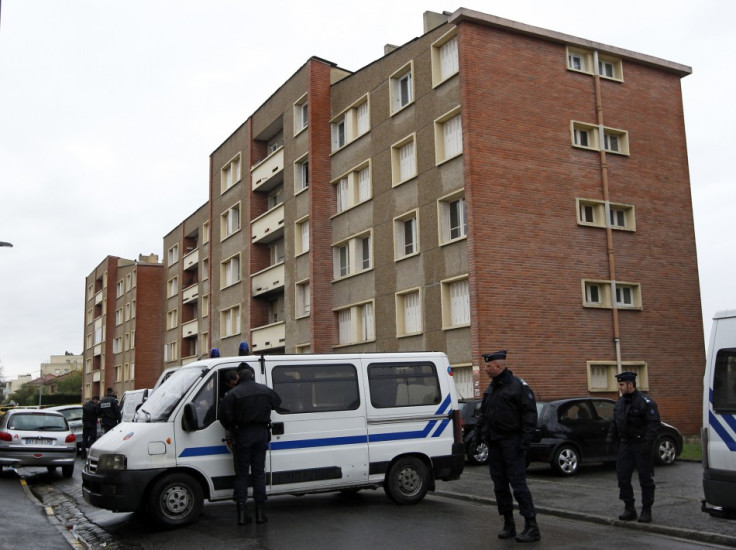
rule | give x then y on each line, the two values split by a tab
507	423
90	416
109	411
246	414
634	428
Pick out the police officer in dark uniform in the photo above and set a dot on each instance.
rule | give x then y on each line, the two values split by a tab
246	414
90	416
635	428
109	411
507	423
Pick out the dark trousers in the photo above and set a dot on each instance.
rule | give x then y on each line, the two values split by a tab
508	472
249	445
89	436
629	457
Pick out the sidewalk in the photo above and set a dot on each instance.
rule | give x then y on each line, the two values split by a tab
592	496
27	522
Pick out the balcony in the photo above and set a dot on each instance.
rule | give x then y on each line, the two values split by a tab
269	172
268	280
268	336
190	293
97	350
96	376
191	259
190	328
269	226
98	297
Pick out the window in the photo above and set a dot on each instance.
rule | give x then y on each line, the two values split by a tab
606	294
230	322
205	232
592	212
356	324
627	296
724	381
301	237
351	123
128	282
230	222
302	299
602	375
127	312
173	286
119	317
316	388
170	352
589	136
119	289
584	61
402	88
301	114
403	385
275	197
406	237
579	60
610	67
230	174
173	254
408	313
301	174
126	340
445	61
403	160
117	345
455	303
172	319
205	403
354	187
448	136
352	256
452	218
276	251
230	271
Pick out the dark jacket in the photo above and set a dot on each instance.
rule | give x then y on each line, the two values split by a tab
249	403
635	418
90	414
508	409
109	411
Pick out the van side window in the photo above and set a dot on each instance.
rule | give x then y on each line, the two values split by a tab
205	403
724	381
403	384
316	388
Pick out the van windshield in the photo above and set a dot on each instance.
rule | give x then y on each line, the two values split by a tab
159	405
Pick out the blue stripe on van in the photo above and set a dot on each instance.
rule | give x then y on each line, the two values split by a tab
721	431
322	442
205	451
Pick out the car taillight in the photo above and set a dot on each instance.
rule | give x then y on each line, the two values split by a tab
71	438
5	436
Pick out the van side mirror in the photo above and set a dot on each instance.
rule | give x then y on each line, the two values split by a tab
189	418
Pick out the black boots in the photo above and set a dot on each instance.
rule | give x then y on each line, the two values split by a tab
260	514
646	514
629	512
243	517
509	529
530	532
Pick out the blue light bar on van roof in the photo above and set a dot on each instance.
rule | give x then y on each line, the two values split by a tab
244	349
215	352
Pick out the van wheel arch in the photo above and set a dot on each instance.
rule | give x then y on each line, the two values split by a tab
186	490
408	478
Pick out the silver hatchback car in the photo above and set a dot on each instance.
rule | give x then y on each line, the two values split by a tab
37	437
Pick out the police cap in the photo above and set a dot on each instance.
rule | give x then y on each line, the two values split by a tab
626	377
495	356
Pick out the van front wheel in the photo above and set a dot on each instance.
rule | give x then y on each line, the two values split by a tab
176	500
407	481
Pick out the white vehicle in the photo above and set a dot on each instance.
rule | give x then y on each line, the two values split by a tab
131	400
719	417
346	422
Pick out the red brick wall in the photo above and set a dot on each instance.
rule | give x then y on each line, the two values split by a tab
149	357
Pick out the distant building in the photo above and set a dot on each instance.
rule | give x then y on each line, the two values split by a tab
62	364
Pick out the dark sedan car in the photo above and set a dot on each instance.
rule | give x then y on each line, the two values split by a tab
573	431
476	451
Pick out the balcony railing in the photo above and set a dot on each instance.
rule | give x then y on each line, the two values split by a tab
268	280
190	293
191	259
268	336
269	226
268	172
98	297
190	328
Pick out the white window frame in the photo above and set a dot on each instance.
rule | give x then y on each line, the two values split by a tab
445	59
592	213
579	60
448	136
302	299
119	289
351	123
602	375
401	88
608	294
117	345
409	316
301	174
455	302
276	252
230	322
172	286
301	236
230	221
404	160
230	174
301	114
356	323
172	319
349	255
353	187
588	136
230	271
402	248
172	255
449	233
171	352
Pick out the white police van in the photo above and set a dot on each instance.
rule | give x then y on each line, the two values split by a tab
719	417
346	422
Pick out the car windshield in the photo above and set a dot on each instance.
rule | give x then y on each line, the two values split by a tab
163	401
72	414
38	423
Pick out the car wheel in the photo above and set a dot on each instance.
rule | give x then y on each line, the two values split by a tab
566	460
477	453
666	451
175	500
407	481
67	471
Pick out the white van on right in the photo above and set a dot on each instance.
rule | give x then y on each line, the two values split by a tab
719	417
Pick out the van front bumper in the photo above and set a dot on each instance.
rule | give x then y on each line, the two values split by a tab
117	490
718	487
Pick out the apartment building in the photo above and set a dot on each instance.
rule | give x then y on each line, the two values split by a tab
123	325
488	185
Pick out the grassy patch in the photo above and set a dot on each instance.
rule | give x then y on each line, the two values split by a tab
691	451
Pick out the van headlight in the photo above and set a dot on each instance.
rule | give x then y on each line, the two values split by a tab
112	462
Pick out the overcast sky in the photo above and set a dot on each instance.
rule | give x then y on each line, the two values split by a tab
109	111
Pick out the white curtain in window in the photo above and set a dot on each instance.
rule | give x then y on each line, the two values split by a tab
412	313
342	195
449	63
305	236
344	326
364	184
363	119
452	132
407	164
369	331
459	303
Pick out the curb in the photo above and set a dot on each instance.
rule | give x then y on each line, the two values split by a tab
687	534
68	535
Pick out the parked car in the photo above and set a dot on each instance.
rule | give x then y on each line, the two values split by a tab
131	400
37	437
476	451
73	415
573	431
